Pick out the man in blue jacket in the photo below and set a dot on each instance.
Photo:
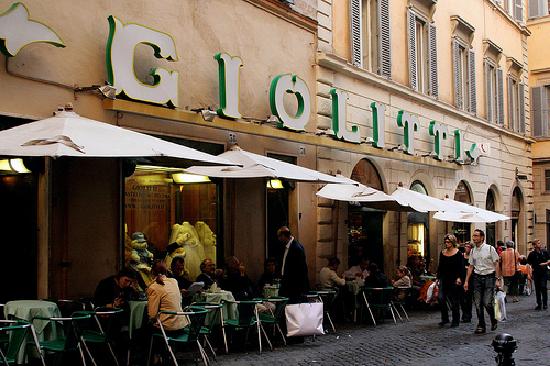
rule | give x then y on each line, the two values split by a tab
294	276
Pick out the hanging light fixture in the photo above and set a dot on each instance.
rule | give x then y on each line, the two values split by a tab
274	184
183	178
13	166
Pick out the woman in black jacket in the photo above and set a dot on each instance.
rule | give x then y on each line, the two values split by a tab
449	276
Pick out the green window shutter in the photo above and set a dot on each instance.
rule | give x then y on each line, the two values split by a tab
411	33
511	112
384	43
500	96
472	76
521	94
488	93
432	60
356	20
457	85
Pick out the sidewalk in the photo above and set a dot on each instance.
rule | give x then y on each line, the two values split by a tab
419	341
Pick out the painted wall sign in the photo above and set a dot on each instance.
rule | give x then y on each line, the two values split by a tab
123	38
17	30
289	83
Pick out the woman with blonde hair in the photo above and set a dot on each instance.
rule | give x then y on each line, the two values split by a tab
449	276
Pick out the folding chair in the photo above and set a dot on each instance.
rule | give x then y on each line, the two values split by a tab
214	309
17	332
379	299
405	292
326	296
248	318
189	335
71	340
100	335
274	317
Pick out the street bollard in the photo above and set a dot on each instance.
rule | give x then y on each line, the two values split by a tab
505	345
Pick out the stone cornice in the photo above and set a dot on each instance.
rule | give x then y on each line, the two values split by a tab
285	12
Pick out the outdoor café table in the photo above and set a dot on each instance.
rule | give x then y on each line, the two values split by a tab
29	309
229	310
137	314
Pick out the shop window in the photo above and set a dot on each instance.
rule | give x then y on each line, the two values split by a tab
177	213
462	230
417	231
547	180
490	227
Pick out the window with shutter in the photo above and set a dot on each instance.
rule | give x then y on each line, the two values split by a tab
538	8
511	107
539	111
521	116
384	44
518	10
457	73
489	91
411	32
500	96
472	81
432	60
356	15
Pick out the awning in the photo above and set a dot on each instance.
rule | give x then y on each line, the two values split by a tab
259	166
462	212
68	134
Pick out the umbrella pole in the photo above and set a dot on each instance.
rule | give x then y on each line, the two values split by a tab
398	238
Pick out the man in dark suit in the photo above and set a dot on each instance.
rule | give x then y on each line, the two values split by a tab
294	282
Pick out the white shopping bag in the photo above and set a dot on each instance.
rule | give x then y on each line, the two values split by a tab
305	319
500	305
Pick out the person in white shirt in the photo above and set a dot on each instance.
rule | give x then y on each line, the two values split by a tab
360	271
328	277
484	265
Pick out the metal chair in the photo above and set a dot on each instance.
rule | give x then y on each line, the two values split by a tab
189	335
379	299
215	309
326	296
17	331
100	335
401	292
274	317
248	318
71	340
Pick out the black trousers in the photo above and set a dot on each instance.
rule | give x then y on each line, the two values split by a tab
466	301
541	290
449	293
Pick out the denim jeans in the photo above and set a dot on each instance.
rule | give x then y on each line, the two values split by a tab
541	281
484	297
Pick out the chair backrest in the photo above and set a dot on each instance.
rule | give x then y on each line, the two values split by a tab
17	331
379	296
2	311
68	307
212	308
72	327
247	312
103	319
196	316
280	304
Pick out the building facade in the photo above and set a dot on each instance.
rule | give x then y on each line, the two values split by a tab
539	83
460	64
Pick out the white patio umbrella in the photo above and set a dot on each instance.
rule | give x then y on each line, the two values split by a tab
68	134
259	166
462	212
418	201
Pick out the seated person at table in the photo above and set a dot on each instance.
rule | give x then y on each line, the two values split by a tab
208	273
376	278
115	291
236	281
402	277
328	277
178	273
164	294
270	274
359	271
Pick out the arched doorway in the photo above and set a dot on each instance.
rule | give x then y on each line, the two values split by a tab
517	216
365	224
462	230
491	227
418	243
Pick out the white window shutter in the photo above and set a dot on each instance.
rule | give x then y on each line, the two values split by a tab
534	8
356	20
411	32
384	43
521	97
518	10
511	112
472	76
488	92
459	99
432	60
500	96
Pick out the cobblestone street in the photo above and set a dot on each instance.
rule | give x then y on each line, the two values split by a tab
417	342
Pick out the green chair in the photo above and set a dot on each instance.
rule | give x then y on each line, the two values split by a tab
275	317
379	299
214	310
400	297
187	336
247	319
100	334
16	332
71	341
326	296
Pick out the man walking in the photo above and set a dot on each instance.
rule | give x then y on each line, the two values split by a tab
539	261
294	277
509	260
483	267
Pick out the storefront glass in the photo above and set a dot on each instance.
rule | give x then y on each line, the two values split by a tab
417	227
169	213
462	230
490	227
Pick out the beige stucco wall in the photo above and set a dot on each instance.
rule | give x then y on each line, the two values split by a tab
270	39
496	170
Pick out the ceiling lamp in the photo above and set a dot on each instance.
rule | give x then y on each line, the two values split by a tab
183	178
13	166
274	184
